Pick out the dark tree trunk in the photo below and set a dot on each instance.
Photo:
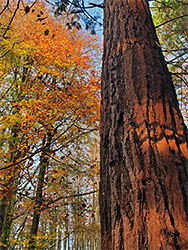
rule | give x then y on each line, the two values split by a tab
144	167
44	161
7	205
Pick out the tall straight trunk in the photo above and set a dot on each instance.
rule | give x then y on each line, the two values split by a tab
7	204
66	233
44	161
3	205
144	166
59	238
6	215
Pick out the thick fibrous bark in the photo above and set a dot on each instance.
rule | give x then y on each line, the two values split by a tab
144	167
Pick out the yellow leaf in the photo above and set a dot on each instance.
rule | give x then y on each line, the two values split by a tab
3	245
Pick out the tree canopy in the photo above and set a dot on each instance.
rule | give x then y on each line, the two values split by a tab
49	124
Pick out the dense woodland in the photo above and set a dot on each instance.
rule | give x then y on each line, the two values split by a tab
50	68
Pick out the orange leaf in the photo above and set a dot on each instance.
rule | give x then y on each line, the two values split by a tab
13	149
1	196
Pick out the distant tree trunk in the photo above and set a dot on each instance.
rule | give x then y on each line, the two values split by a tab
6	215
44	161
66	233
7	204
144	166
59	238
3	206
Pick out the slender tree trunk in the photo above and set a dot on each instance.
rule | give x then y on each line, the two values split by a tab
8	210
59	239
3	205
7	203
66	233
39	193
144	167
3	216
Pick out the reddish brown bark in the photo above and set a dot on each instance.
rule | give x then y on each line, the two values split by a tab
144	166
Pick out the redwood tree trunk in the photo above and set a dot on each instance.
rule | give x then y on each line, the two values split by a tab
144	166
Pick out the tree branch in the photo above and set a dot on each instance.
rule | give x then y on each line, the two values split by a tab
168	21
71	196
6	6
8	27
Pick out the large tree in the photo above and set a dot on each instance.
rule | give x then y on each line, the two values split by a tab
144	152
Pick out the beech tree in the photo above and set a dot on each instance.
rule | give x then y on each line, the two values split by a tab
49	94
144	174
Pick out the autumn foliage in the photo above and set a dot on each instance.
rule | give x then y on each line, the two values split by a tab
49	93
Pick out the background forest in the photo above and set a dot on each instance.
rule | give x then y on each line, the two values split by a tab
49	121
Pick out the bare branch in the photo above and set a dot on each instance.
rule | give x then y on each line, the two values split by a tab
71	196
97	5
8	27
6	6
10	49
